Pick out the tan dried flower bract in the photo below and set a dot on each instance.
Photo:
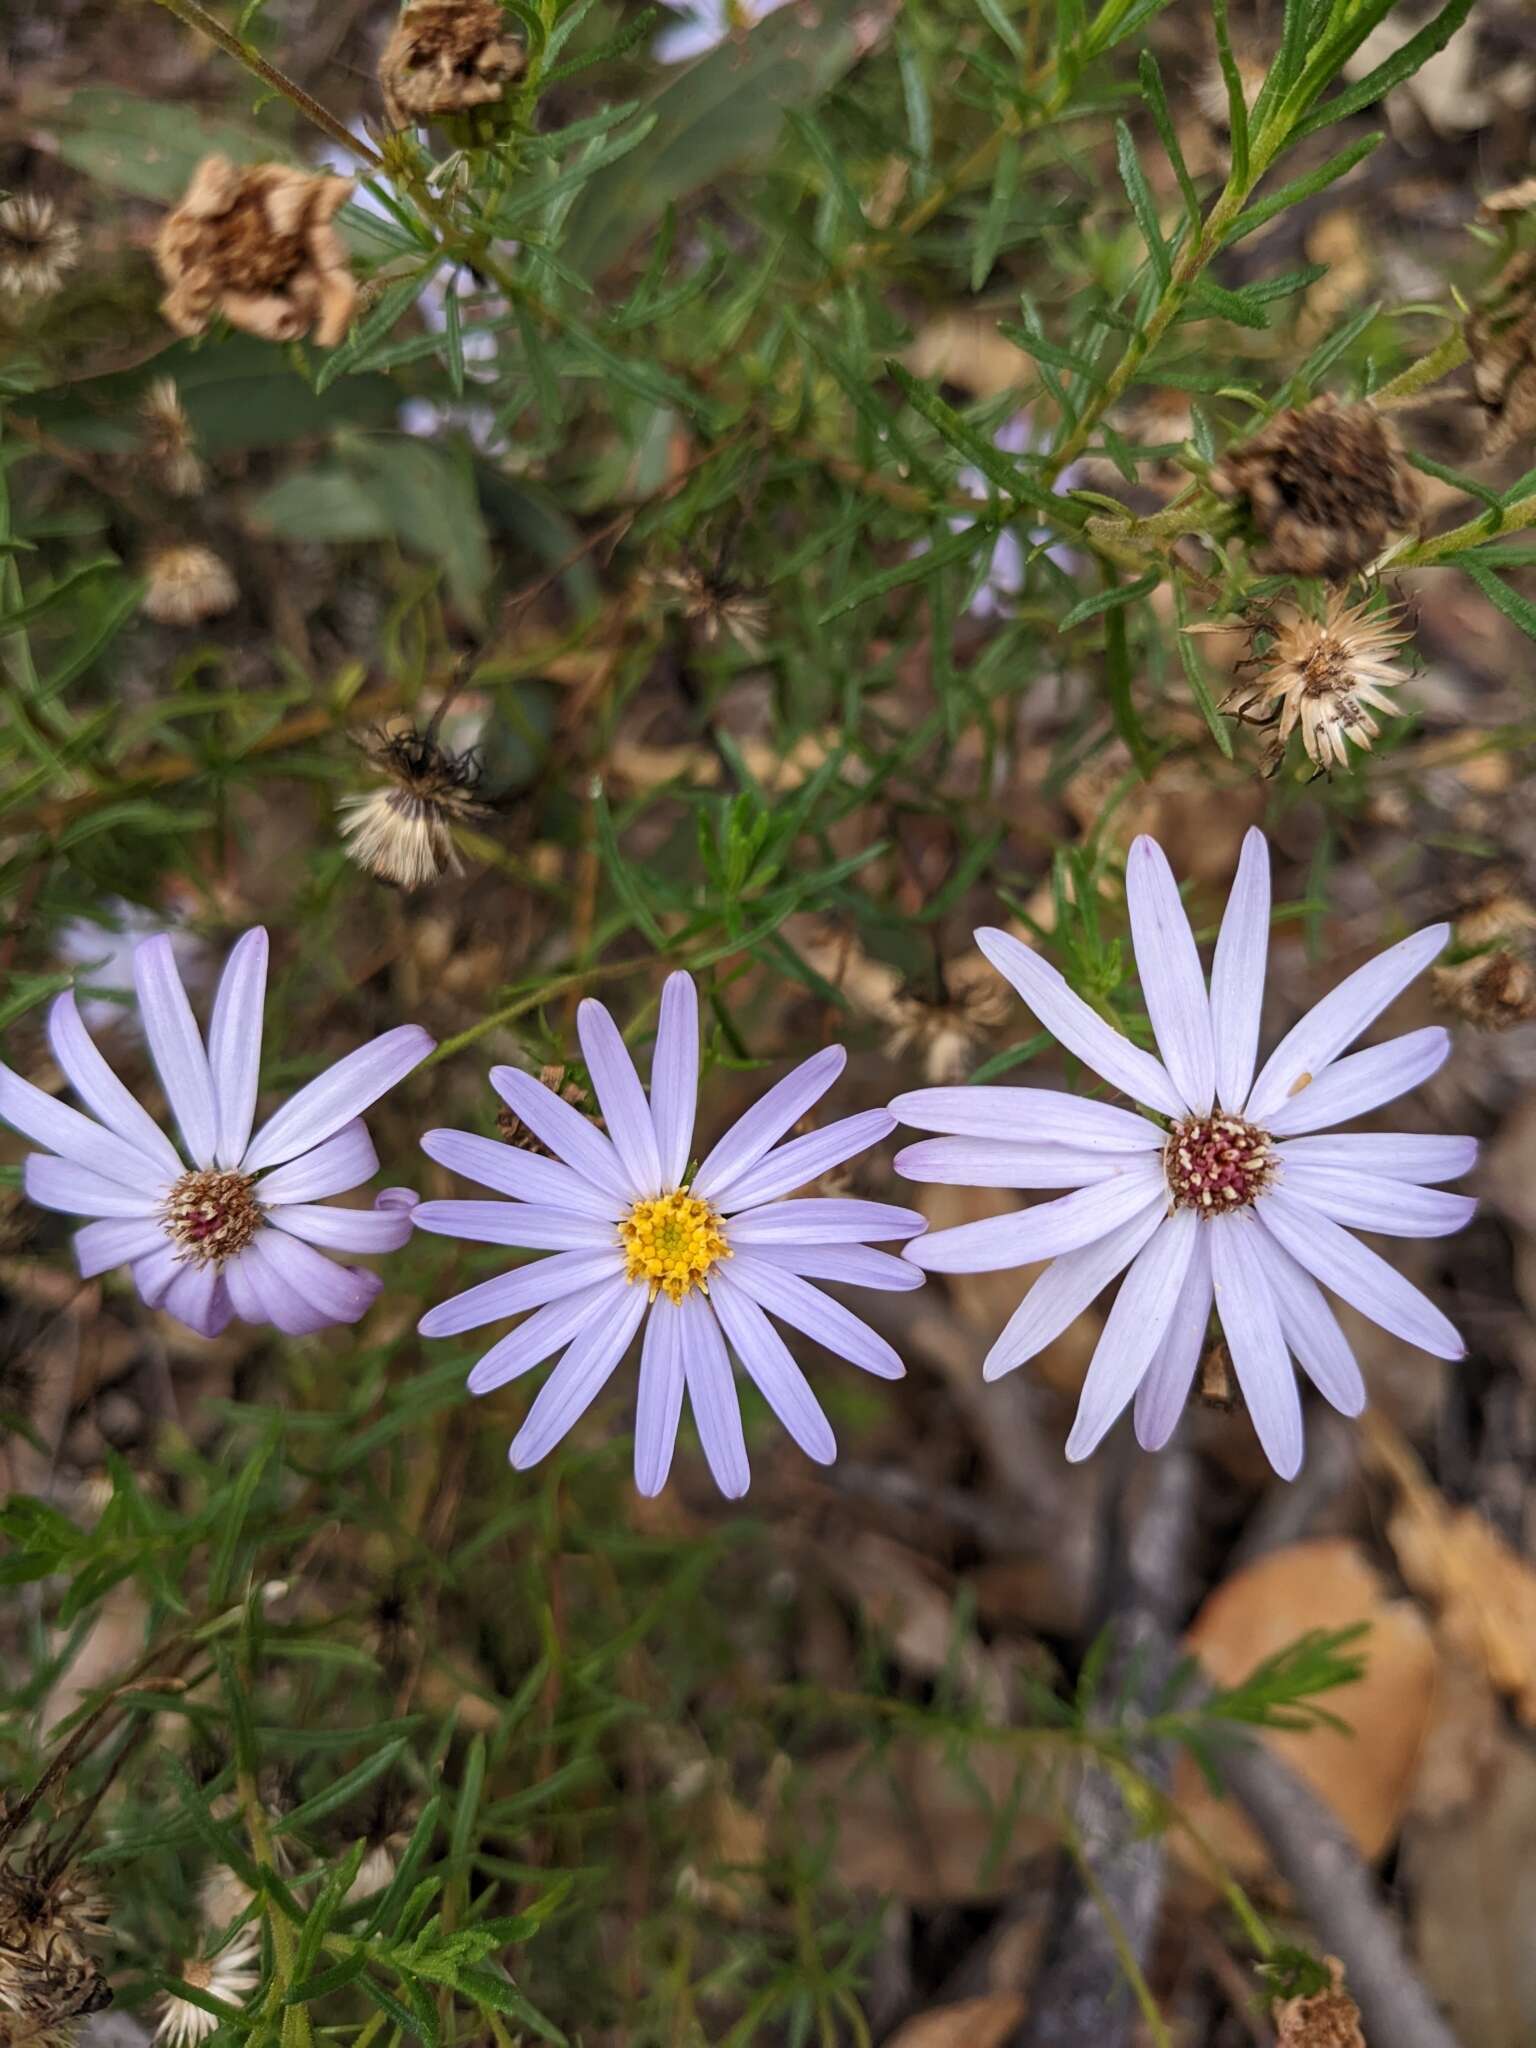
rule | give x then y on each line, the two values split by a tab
1326	675
1501	340
1326	2019
257	244
403	832
38	246
168	439
1327	485
188	583
48	1977
1491	990
445	56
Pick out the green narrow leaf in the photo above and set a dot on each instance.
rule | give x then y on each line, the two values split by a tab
616	863
1157	106
1286	196
374	328
1497	591
1137	191
1237	103
1402	64
1113	598
233	1511
1011	477
1195	676
958	547
994	222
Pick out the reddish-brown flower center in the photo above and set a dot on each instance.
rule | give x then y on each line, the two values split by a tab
211	1215
1216	1163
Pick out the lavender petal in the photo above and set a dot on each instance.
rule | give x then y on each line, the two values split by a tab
60	1184
176	1046
1171	978
153	1276
1362	1081
712	1397
794	1301
343	1230
74	1137
1392	1208
659	1404
992	1163
767	1362
198	1298
824	1219
234	1043
508	1294
622	1099
1043	1232
1339	1019
854	1265
1135	1327
1352	1270
1311	1328
574	1138
331	1293
745	1143
803	1160
576	1381
525	1176
1028	1116
338	1095
1237	974
1163	1392
335	1166
541	1335
1081	1030
674	1090
1250	1322
1065	1289
103	1094
1400	1155
516	1223
116	1241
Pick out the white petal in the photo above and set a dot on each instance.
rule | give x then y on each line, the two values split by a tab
620	1096
992	1163
1237	974
1400	1155
234	1043
102	1092
1161	1397
1339	1019
1081	1030
675	1086
1043	1232
1352	1270
1029	1116
1250	1322
1143	1310
1168	961
1362	1081
176	1046
577	1380
1065	1289
1365	1201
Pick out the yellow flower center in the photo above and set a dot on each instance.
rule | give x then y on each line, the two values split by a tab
672	1242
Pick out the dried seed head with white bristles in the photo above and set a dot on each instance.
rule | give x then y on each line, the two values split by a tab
48	1977
230	1976
402	832
188	583
38	247
168	439
1327	675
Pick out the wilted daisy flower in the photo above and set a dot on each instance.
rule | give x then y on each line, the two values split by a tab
704	24
1327	486
403	832
230	1976
188	583
1327	675
38	247
236	1232
1233	1196
257	243
48	1919
696	1256
445	56
716	604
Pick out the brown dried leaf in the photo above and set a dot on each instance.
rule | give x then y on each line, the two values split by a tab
973	2023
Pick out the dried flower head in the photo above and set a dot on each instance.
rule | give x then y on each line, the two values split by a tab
1501	340
256	243
168	439
445	56
230	1976
1326	675
188	583
1491	990
1509	199
47	1919
714	603
403	832
38	246
1328	2019
1327	486
516	1132
1495	910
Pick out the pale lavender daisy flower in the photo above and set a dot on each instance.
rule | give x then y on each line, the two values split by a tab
704	24
701	1258
243	1229
1234	1198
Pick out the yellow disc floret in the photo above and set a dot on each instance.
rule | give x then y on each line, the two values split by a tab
672	1242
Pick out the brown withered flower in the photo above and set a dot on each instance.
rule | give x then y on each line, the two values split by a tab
716	604
1501	340
1327	486
1491	990
1326	675
38	246
402	832
168	443
444	57
188	583
48	1918
1326	2019
256	243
